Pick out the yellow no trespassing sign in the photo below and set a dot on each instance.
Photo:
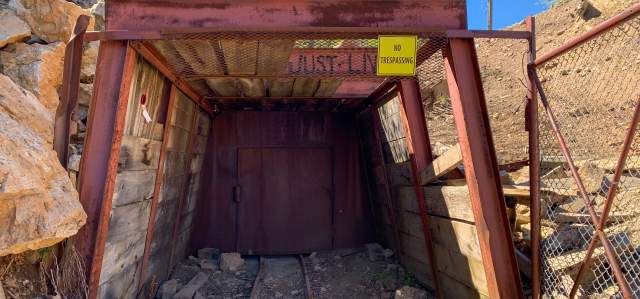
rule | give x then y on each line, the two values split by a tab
396	55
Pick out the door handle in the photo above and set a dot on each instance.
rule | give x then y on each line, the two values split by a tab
237	192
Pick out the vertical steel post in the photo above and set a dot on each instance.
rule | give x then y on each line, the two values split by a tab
419	148
531	117
98	167
70	88
481	169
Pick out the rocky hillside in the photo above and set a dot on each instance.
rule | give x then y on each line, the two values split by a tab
39	205
503	69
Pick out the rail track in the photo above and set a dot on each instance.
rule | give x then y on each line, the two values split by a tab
281	276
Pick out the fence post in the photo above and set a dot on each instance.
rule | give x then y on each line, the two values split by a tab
481	169
534	165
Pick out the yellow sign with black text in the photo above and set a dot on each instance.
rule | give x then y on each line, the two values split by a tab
396	55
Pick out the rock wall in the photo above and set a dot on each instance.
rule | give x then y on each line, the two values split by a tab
39	205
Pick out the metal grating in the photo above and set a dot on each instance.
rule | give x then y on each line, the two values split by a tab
322	65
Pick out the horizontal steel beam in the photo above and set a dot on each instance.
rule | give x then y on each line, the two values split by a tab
149	14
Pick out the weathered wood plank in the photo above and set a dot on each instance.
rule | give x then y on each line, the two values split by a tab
138	153
133	186
127	221
120	254
454	235
328	87
445	201
455	289
171	187
251	87
174	163
442	165
281	87
123	285
464	269
304	87
400	174
204	123
226	87
178	140
148	84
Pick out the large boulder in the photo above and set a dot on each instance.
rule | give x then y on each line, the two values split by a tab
37	68
13	28
24	107
51	20
38	204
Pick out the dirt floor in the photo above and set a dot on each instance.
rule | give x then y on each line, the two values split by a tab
350	274
347	273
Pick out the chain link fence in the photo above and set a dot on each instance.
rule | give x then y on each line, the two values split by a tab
593	90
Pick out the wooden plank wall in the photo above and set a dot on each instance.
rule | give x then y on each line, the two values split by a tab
455	240
133	192
175	175
201	132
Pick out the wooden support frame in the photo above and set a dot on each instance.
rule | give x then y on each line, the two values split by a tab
157	189
99	163
185	184
481	169
531	118
420	155
70	88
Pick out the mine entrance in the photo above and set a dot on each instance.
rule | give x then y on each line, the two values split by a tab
284	198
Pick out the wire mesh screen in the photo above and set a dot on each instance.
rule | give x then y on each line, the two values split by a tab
592	89
330	65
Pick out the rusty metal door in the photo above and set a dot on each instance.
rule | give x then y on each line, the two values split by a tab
284	198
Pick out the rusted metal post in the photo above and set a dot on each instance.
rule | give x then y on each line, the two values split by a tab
534	166
419	148
157	188
69	92
481	169
98	167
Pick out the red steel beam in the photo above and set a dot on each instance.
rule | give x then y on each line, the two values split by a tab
531	120
587	36
508	34
481	170
69	92
146	14
419	149
99	162
185	184
157	189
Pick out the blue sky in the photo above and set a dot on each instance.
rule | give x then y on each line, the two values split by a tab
505	12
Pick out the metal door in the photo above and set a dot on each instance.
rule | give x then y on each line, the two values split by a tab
284	198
